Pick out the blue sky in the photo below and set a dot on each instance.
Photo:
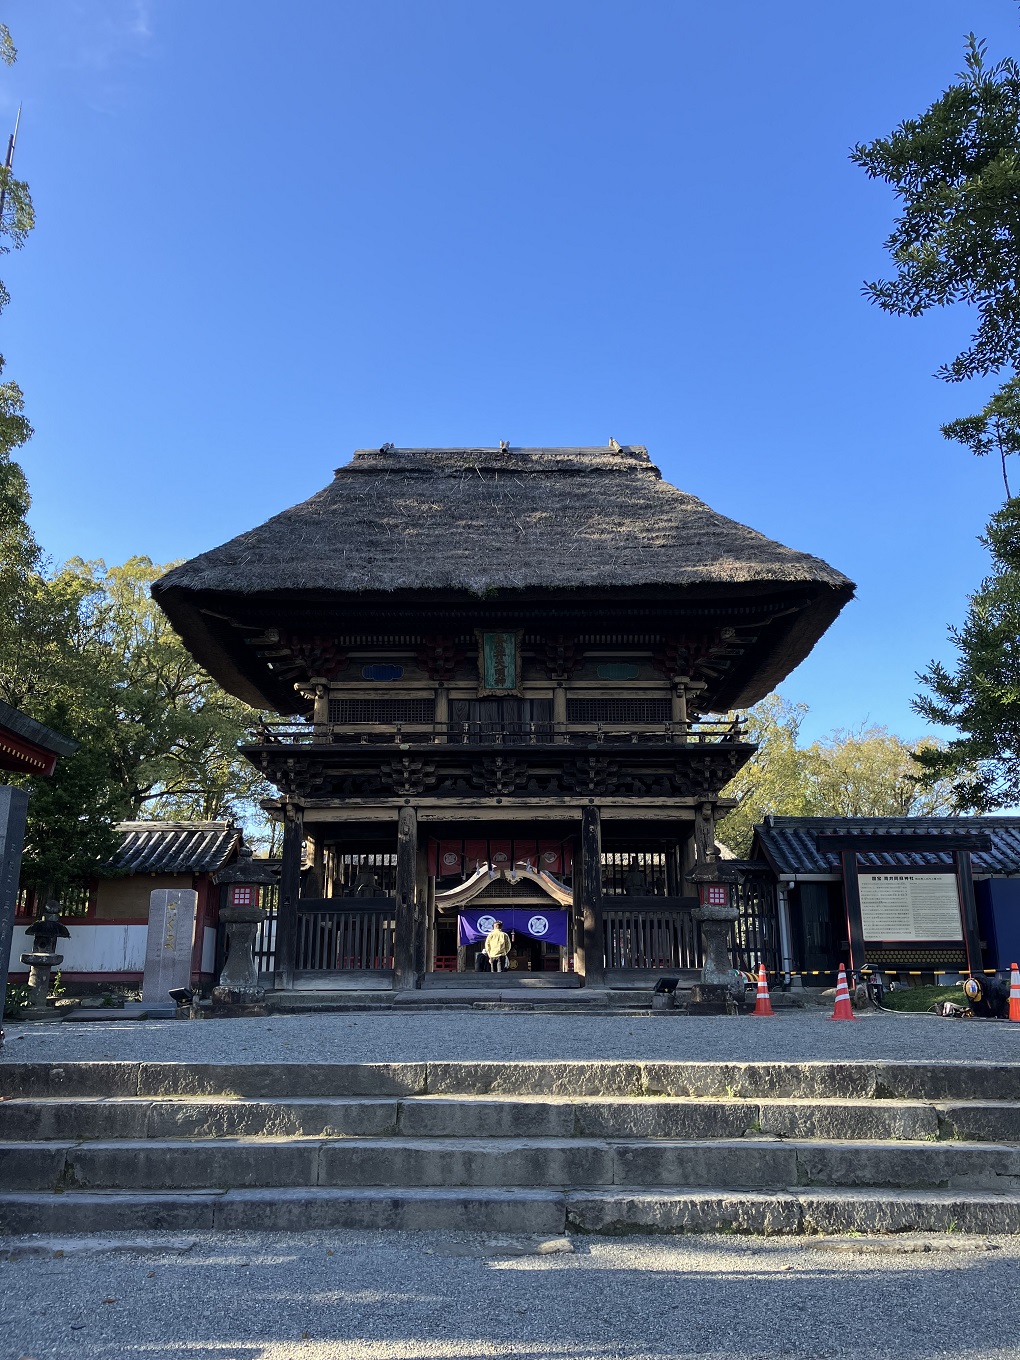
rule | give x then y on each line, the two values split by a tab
269	235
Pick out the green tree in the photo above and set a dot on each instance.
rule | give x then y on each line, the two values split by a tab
981	698
869	772
158	737
956	173
774	779
860	772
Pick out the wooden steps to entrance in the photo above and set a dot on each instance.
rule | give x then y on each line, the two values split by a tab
525	1147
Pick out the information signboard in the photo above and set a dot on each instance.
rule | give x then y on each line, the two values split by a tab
910	906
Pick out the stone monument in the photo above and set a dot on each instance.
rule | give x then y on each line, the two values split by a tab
169	942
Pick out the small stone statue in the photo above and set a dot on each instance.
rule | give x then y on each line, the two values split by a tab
634	880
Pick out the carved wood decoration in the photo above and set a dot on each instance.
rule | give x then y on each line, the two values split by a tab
332	773
561	657
440	658
319	655
498	775
707	654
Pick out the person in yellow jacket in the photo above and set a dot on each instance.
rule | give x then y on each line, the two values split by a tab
497	947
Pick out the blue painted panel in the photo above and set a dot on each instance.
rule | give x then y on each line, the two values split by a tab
382	672
998	903
617	670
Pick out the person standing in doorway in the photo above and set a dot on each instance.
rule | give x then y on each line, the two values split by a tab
497	947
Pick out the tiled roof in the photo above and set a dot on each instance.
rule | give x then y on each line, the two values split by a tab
175	847
789	844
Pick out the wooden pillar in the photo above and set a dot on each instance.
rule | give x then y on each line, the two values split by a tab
704	834
678	705
320	713
560	712
442	713
430	922
968	910
290	892
852	905
405	947
591	897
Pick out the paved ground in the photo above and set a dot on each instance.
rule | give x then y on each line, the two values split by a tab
465	1035
334	1296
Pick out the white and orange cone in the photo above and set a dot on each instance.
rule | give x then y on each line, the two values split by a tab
1014	992
762	1004
842	1010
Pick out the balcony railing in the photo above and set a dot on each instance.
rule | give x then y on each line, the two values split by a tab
482	733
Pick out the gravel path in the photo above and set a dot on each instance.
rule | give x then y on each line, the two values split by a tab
794	1036
363	1296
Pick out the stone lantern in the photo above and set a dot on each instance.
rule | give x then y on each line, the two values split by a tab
242	914
720	989
43	958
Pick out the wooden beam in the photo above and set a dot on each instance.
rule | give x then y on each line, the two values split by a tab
405	944
290	892
591	897
968	910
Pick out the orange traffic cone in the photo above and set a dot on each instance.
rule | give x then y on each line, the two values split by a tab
1014	992
841	1010
762	1004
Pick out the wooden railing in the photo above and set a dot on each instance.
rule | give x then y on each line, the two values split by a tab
344	934
651	933
477	733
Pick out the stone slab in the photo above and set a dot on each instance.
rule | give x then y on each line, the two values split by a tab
632	1210
154	1164
69	1079
663	1118
169	942
479	1117
273	1080
50	1119
974	1166
465	1162
290	1118
105	1212
889	1211
721	1164
405	1210
849	1119
535	1078
982	1122
33	1166
746	1081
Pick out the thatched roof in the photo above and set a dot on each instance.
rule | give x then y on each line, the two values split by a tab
486	519
491	525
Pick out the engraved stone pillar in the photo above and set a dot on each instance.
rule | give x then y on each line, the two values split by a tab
169	941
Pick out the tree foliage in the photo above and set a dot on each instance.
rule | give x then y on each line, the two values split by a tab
956	173
158	737
859	772
981	699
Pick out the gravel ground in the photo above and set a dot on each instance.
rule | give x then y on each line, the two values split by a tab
465	1035
330	1296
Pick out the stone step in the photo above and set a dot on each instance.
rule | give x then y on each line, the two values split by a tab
988	1082
620	1209
684	1117
756	1163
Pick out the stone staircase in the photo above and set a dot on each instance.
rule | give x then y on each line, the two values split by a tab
610	1147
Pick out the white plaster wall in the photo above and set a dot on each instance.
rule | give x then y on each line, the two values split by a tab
208	949
92	949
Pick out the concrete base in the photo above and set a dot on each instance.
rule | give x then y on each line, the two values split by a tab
710	998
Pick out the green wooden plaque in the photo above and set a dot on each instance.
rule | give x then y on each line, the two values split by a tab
499	662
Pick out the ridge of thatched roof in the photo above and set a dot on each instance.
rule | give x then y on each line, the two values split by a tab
483	520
